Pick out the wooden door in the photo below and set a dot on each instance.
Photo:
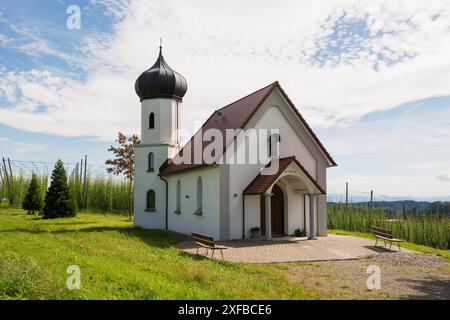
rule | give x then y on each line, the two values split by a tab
277	208
277	204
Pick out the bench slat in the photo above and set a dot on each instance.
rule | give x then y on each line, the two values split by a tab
382	233
203	240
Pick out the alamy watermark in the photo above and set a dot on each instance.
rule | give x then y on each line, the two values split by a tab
234	146
73	21
73	281
374	280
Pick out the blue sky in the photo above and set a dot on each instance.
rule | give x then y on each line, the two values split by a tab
371	77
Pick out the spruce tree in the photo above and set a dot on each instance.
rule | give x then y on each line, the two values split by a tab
33	199
58	199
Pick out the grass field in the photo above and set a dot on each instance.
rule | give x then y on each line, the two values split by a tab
118	261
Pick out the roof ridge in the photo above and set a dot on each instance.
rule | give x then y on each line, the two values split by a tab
275	83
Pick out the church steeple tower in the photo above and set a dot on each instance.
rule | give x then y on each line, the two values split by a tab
160	90
161	81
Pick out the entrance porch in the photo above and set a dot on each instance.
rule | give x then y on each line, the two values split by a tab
284	201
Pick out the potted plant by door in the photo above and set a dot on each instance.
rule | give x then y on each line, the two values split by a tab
255	232
300	232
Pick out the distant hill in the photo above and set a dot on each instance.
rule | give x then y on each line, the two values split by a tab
411	206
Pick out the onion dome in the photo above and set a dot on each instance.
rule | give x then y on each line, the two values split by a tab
160	81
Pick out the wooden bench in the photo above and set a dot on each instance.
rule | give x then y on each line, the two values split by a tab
385	235
206	242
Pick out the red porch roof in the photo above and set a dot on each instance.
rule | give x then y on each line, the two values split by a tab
261	183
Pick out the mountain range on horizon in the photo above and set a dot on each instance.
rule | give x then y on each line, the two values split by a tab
365	197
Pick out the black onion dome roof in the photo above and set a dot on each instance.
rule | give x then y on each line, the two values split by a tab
160	81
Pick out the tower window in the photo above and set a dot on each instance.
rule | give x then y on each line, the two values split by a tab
178	210
150	200
199	211
151	162
151	121
274	145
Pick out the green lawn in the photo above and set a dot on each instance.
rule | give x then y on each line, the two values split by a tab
118	261
408	245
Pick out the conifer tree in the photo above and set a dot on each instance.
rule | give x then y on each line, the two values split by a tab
33	199
58	199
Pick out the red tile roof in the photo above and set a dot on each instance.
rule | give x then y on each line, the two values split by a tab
261	183
234	116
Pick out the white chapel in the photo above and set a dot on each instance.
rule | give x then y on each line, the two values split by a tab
178	191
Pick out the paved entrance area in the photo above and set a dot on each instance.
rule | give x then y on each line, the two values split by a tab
292	249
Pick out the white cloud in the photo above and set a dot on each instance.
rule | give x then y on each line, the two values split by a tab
23	147
403	150
27	40
227	50
3	39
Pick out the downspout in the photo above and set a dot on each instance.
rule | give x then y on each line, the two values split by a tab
167	201
243	216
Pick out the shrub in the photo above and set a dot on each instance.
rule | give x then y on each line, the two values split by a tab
300	232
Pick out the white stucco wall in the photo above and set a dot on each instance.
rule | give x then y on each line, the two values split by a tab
240	177
295	212
291	144
186	222
252	216
166	119
145	181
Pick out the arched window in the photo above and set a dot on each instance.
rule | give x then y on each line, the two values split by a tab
199	211
151	162
274	145
151	200
178	209
151	121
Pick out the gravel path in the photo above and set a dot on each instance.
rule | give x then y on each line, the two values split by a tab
409	259
409	275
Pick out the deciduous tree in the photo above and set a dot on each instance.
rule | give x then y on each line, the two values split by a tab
123	163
